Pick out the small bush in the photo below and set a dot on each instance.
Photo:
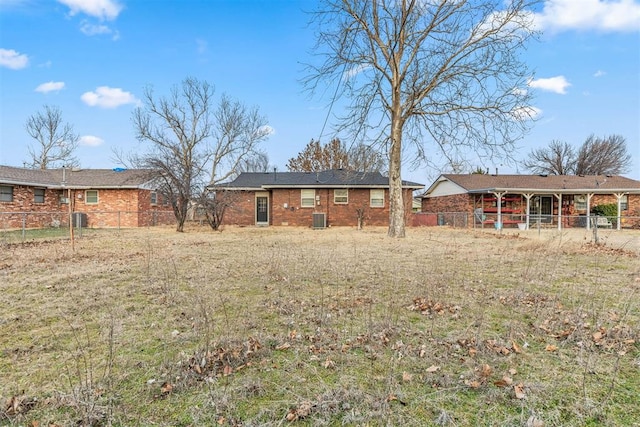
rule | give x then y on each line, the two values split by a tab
609	210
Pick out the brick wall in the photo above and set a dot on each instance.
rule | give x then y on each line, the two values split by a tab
453	203
49	213
285	208
115	208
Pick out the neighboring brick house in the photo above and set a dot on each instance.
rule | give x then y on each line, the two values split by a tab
525	199
310	199
101	197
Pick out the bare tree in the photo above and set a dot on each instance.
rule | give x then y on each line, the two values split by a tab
256	162
192	141
596	156
215	204
441	73
556	159
365	158
603	156
316	157
55	141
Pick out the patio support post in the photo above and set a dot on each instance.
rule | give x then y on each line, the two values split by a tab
589	196
528	196
559	197
499	195
619	196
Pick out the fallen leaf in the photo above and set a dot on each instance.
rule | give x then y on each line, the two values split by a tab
474	384
283	346
551	347
512	371
433	368
406	377
518	389
486	371
227	370
166	388
504	382
516	348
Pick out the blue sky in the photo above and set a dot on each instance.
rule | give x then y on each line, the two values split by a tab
93	58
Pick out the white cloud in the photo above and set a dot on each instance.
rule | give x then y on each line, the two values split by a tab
268	130
101	9
107	97
11	59
50	87
526	113
352	72
556	84
92	30
91	141
599	73
601	15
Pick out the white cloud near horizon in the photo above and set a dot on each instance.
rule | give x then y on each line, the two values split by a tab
558	84
601	15
108	97
50	87
91	141
101	9
9	58
599	73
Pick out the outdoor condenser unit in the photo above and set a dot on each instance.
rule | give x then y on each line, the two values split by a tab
319	220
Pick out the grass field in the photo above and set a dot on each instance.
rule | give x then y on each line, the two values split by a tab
280	326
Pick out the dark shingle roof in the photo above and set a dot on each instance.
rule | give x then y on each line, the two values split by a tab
325	179
478	183
75	178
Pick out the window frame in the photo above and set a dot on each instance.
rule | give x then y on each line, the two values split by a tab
306	199
39	195
87	200
580	202
6	193
624	202
344	198
153	198
380	196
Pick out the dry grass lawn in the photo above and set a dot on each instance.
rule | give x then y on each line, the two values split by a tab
281	326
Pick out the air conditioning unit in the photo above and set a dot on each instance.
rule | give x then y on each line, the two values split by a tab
319	220
64	200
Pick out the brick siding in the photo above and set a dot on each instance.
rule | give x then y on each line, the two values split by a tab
115	208
285	208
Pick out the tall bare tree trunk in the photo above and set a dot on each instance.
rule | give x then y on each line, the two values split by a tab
396	204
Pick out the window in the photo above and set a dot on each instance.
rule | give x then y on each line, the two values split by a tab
307	198
6	193
154	198
624	202
341	196
377	198
38	195
91	197
580	202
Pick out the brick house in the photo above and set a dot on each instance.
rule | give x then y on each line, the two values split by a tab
98	197
329	198
552	200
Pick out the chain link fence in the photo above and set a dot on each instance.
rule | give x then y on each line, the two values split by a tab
493	220
23	226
